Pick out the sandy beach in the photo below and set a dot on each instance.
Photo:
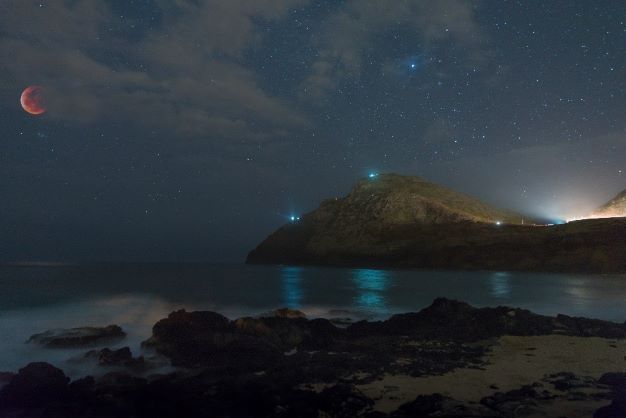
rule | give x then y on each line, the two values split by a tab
514	362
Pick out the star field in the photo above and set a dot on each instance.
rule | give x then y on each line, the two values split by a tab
187	131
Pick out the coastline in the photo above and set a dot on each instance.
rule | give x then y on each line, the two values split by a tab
449	358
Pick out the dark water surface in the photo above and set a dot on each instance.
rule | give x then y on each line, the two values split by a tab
34	299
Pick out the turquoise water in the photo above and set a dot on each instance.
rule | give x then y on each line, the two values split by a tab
34	299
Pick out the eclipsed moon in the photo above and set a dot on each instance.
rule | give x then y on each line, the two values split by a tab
33	100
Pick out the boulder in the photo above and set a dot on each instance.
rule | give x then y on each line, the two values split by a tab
567	381
77	337
453	320
447	319
518	401
191	339
208	339
5	378
35	385
437	405
342	400
616	380
585	327
119	357
617	409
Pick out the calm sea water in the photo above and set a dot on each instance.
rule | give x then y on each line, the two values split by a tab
35	299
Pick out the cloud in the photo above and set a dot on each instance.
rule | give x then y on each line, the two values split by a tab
345	36
185	75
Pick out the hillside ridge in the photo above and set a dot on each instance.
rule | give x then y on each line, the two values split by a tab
407	222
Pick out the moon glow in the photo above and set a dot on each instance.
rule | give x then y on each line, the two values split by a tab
32	100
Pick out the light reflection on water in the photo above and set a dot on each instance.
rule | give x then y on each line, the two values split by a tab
36	299
500	285
372	286
292	286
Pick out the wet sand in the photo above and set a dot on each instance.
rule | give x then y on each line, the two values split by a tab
512	363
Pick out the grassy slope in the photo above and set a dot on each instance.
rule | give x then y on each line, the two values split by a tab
406	186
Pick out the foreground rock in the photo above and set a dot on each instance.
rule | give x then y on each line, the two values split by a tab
120	357
5	378
617	408
284	365
193	339
78	337
406	222
36	385
437	405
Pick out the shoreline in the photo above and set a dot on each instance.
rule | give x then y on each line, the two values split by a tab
449	358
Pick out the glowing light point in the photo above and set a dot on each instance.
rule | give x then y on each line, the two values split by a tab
498	223
413	66
372	175
294	218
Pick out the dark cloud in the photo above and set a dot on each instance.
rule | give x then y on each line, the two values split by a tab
183	75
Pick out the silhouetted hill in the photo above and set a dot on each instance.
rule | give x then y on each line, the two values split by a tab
398	221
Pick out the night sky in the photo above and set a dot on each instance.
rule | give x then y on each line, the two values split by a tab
187	130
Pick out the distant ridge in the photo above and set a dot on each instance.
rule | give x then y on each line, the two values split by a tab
389	202
614	208
407	222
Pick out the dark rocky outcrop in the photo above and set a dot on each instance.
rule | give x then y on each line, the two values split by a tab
265	366
617	408
78	337
120	357
585	327
449	319
435	339
209	339
615	380
35	385
518	402
437	405
566	381
453	320
405	222
5	378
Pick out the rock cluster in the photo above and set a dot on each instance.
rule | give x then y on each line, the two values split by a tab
268	366
120	357
78	337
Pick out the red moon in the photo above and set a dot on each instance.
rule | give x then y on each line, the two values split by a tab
33	100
